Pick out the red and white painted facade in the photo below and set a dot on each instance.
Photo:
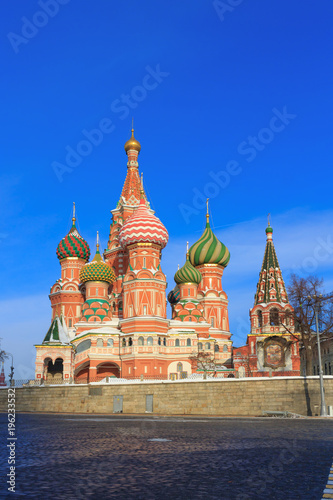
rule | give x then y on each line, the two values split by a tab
112	321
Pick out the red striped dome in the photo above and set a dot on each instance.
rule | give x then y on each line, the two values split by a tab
143	227
73	245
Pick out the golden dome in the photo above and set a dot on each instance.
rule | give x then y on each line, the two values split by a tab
132	143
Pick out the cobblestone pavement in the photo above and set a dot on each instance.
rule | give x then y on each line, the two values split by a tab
101	457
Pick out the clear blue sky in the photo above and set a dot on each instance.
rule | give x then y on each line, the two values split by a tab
241	97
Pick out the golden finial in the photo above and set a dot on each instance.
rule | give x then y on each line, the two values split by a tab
178	267
73	218
132	143
207	214
268	216
187	252
142	179
97	242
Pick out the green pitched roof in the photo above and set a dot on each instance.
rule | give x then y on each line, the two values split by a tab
57	333
269	275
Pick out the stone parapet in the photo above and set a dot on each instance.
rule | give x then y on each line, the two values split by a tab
225	397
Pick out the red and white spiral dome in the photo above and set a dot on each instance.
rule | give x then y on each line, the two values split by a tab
143	227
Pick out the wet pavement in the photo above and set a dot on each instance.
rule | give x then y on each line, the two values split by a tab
101	457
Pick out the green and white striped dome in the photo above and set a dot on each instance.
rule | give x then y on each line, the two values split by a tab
209	250
188	274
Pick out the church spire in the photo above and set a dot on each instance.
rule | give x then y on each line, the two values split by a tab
131	192
270	287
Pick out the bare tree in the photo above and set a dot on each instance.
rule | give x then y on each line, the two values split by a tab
206	362
3	356
299	291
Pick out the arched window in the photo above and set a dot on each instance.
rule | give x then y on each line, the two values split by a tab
69	323
179	367
274	316
259	315
199	346
207	346
83	346
177	343
225	348
110	343
325	368
314	370
123	343
216	348
188	342
120	306
130	341
164	341
141	341
212	322
159	341
113	306
99	343
150	341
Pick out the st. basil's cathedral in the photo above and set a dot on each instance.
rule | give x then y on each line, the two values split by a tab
109	315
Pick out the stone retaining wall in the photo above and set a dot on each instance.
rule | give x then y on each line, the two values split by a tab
236	397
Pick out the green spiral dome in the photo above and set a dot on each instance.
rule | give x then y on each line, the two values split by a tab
209	250
188	274
97	270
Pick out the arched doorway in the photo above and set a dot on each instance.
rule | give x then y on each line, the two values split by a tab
82	373
107	370
53	372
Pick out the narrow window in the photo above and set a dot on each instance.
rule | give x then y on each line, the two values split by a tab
177	343
188	342
179	367
144	310
259	316
144	263
70	323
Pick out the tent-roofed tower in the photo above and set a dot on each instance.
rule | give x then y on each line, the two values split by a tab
128	202
271	305
272	346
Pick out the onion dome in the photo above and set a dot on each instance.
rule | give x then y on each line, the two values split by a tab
97	269
132	143
269	229
143	227
188	273
73	245
174	295
209	250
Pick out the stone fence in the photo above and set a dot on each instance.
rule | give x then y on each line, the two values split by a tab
220	397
